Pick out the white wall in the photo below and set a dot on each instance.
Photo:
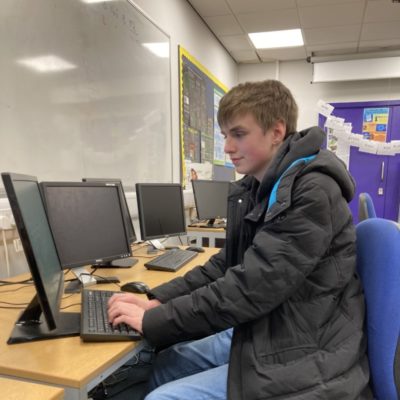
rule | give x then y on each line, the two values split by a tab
185	28
178	19
297	75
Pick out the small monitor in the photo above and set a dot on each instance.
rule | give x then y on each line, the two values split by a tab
223	173
125	208
42	318
211	199
87	222
161	210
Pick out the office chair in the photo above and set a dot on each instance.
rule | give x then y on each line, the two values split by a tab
366	208
378	264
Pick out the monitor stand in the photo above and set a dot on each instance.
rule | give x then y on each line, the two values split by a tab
210	223
31	326
155	245
83	278
118	263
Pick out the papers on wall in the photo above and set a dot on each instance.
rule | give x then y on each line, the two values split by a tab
340	137
324	108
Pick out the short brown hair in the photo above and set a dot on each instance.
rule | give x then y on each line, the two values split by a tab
268	101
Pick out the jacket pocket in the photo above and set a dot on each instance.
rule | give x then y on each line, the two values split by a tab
289	355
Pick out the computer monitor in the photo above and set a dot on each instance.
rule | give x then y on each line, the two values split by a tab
223	173
211	199
125	208
161	210
42	318
88	223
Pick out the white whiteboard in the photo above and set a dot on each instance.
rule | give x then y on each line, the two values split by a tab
107	114
356	70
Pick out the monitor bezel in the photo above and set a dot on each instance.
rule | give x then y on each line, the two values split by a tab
89	261
49	312
196	200
139	198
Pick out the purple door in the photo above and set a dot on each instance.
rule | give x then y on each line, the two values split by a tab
392	196
375	174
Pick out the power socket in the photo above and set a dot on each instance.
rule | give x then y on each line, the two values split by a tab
17	245
5	222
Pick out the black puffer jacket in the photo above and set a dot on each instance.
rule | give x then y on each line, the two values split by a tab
285	280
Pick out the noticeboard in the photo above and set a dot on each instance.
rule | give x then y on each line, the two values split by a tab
202	145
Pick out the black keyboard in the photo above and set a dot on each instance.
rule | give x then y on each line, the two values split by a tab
171	260
94	320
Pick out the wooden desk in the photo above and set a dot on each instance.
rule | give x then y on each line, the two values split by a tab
210	233
12	389
68	362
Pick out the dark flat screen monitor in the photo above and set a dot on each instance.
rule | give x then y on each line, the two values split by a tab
211	199
42	318
161	210
125	208
223	173
87	222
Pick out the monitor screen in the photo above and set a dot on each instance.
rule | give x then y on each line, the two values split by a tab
223	173
87	222
125	208
161	210
211	199
30	217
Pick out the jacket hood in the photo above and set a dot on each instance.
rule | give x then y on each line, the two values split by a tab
303	144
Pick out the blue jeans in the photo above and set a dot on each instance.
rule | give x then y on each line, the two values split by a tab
195	370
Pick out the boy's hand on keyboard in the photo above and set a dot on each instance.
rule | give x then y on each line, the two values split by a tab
133	299
128	313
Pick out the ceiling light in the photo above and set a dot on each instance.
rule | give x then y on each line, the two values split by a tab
160	49
277	39
46	63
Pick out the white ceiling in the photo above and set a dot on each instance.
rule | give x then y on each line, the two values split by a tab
329	27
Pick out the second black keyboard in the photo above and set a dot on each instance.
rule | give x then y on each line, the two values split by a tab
171	260
94	319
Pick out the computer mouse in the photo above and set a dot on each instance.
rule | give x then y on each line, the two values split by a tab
135	287
196	249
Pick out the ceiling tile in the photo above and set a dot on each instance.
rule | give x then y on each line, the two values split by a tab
380	30
382	44
329	27
259	6
209	8
331	15
236	42
224	25
333	34
308	3
245	56
382	12
333	48
270	21
289	53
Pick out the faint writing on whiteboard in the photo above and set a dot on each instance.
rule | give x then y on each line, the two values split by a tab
124	18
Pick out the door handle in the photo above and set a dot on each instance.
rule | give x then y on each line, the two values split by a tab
383	170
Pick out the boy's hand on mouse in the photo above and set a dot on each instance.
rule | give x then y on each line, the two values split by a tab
130	314
133	299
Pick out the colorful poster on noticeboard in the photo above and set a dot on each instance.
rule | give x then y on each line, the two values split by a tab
375	123
202	144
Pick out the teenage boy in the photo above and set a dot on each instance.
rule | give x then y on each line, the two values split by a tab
285	280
